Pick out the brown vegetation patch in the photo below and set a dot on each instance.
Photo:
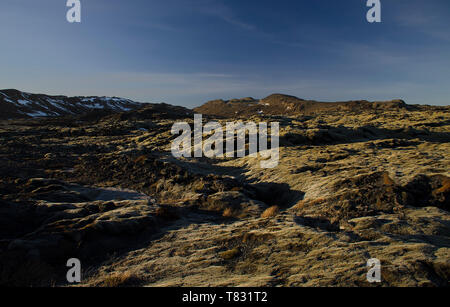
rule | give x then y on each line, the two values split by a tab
123	279
230	254
140	160
271	212
228	213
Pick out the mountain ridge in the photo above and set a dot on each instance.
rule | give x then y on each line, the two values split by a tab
281	104
18	104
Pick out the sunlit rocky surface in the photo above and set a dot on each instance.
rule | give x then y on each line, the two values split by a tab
355	181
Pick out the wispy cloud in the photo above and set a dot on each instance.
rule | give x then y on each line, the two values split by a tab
225	13
427	17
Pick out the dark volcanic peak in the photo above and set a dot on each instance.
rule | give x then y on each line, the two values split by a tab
159	111
280	104
281	98
17	104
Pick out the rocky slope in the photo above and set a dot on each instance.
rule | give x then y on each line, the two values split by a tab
17	104
279	104
351	185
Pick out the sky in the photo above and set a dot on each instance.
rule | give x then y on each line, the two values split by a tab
187	52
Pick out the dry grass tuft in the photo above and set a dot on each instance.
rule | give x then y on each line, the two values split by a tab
230	254
228	212
300	204
198	186
140	160
257	238
123	279
445	187
317	201
270	212
387	180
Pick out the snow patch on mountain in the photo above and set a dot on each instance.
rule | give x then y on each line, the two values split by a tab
17	104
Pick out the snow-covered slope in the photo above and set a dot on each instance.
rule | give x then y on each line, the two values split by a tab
17	104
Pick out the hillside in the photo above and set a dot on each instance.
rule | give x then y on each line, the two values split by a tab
17	104
349	186
285	105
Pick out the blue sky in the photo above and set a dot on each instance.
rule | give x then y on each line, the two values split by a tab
186	52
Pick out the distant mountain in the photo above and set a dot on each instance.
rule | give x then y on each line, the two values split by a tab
17	104
279	104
